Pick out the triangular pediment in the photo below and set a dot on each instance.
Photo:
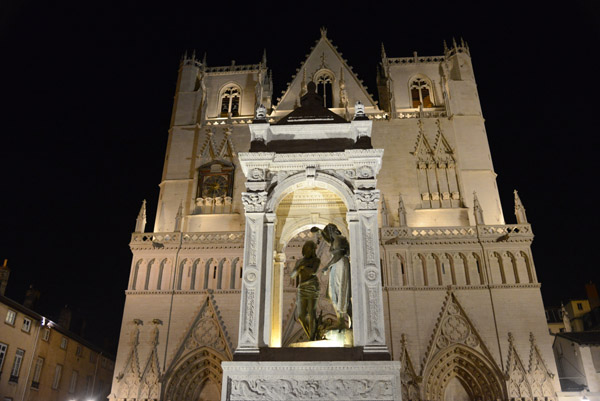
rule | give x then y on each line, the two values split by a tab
207	330
347	89
454	328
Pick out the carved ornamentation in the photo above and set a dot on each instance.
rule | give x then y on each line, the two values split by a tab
408	377
254	201
540	378
518	383
367	199
149	383
129	378
311	389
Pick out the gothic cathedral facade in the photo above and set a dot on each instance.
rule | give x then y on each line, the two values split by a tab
462	307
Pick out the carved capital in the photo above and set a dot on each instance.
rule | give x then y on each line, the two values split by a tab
367	199
254	201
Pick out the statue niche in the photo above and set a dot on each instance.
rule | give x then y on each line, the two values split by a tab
318	331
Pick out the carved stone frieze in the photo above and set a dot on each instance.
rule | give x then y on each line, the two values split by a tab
314	389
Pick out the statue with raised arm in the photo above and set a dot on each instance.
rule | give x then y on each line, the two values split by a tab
308	289
338	268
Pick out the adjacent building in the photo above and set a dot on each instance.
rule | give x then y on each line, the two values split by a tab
42	361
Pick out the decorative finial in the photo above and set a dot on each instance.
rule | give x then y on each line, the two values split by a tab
401	212
454	42
384	213
323	32
519	210
477	210
140	222
179	217
446	50
264	58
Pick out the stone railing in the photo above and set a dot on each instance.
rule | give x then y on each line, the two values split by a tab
416	60
234	68
159	240
505	232
388	233
156	238
426	113
485	232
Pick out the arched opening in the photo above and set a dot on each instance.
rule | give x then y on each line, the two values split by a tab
461	373
197	377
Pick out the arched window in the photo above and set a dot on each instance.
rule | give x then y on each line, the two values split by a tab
324	81
230	101
421	94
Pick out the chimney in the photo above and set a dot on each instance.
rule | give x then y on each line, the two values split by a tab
592	295
31	297
4	273
64	319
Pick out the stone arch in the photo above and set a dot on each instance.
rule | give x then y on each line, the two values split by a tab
192	375
513	261
148	274
479	377
161	270
320	180
207	273
194	273
478	267
528	266
179	283
220	271
235	278
424	269
304	224
497	269
136	272
465	262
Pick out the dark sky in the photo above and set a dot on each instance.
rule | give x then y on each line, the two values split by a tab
86	90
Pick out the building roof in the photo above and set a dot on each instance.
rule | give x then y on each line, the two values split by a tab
311	110
55	326
591	337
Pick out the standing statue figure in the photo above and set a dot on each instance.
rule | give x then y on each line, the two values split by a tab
308	289
338	289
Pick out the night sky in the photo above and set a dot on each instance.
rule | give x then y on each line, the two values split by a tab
87	92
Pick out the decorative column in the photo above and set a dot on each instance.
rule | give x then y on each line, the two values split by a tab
251	303
367	296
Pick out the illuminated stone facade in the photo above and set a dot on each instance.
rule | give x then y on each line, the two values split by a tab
456	298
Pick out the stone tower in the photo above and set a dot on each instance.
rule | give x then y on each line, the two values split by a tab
440	283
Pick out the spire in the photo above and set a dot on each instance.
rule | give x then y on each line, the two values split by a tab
179	217
446	50
401	212
384	213
264	58
477	210
519	210
383	54
204	59
140	222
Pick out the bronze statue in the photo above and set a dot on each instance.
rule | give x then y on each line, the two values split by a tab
338	289
308	289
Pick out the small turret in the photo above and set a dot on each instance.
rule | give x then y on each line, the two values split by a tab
179	218
384	213
477	210
401	212
140	222
519	210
